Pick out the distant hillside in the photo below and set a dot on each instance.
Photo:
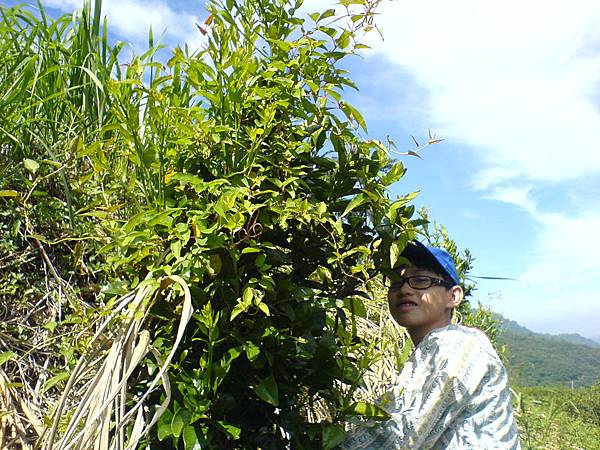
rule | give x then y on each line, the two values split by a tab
536	359
574	339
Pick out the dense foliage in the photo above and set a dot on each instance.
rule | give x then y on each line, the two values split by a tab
239	168
199	240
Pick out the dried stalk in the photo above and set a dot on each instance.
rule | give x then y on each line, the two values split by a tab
103	414
19	427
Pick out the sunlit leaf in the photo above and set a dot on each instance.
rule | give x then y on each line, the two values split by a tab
54	380
367	410
31	165
6	356
354	203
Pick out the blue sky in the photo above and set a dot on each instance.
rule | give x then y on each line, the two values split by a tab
513	88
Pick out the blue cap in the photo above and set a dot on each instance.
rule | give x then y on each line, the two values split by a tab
431	257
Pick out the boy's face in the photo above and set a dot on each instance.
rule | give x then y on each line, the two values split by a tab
421	310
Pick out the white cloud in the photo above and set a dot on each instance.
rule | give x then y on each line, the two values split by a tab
519	196
558	290
131	19
514	80
568	249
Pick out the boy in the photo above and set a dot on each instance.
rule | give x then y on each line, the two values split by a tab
453	391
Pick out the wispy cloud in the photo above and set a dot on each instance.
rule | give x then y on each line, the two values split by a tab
518	196
514	80
517	83
562	276
131	19
558	286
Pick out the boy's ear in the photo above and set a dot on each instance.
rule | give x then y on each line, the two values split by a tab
456	296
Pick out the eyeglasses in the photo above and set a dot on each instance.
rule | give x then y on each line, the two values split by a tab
416	282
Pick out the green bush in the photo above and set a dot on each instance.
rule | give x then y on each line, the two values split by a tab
239	168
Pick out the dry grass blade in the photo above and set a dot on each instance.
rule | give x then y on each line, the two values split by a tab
19	428
388	341
104	414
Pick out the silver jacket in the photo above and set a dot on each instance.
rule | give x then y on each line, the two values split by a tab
452	394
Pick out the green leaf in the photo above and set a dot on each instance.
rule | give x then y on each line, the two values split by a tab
264	308
247	296
340	148
6	356
392	212
164	425
31	165
267	390
332	435
50	326
355	202
352	114
252	351
93	77
238	309
356	306
394	174
366	410
178	422
327	13
190	439
215	264
233	431
321	275
285	46
54	380
344	40
396	249
230	355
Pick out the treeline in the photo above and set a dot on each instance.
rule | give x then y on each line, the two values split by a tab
540	360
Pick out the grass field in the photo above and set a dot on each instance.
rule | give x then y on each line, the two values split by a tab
559	418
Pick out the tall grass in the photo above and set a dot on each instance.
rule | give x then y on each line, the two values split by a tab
64	97
559	417
54	77
64	86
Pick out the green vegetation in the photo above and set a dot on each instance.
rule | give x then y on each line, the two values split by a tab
559	418
537	359
551	413
197	240
188	247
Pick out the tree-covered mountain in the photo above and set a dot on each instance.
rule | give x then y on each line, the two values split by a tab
536	359
575	339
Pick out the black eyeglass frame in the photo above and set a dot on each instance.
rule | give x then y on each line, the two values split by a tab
399	281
